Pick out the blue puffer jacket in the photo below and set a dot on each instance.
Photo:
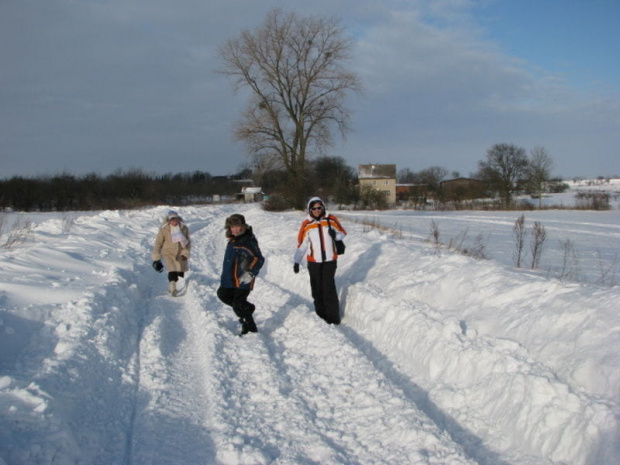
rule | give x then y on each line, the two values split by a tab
242	254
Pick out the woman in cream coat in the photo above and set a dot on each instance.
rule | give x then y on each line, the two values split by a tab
172	245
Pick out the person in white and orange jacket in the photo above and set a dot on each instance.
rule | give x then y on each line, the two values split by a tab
316	240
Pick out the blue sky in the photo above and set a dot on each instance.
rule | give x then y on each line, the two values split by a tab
576	39
101	85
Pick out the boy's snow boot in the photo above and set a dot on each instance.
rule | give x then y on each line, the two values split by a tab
172	287
248	325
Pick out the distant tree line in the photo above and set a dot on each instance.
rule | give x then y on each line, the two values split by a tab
120	190
506	172
330	177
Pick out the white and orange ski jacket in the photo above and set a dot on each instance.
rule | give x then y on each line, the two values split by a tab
314	239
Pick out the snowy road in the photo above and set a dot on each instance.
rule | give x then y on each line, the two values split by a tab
298	392
440	359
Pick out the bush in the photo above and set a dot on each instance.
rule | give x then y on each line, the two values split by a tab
17	233
593	200
276	203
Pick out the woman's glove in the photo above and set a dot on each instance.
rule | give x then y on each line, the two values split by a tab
157	265
296	268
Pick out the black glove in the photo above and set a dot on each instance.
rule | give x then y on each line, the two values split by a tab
332	232
157	265
296	268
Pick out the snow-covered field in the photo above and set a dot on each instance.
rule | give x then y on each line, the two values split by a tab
441	358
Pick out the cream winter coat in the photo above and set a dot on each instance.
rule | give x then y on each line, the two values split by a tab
174	255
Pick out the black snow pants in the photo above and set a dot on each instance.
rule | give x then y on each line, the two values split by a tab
324	291
238	300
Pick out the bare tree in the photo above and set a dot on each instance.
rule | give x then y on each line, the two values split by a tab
539	235
406	176
432	177
505	170
570	261
435	235
295	68
608	270
519	231
333	179
540	166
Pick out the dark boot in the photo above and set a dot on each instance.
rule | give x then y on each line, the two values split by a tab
248	325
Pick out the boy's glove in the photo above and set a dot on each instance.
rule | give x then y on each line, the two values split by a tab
246	278
157	265
296	268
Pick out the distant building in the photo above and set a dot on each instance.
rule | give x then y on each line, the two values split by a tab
411	194
403	190
462	189
381	178
250	194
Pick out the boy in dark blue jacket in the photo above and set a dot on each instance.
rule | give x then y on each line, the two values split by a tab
242	262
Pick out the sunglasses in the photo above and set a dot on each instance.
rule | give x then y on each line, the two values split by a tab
316	208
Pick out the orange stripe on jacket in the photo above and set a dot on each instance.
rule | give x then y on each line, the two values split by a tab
305	232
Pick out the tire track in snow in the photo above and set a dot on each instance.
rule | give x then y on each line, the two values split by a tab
166	421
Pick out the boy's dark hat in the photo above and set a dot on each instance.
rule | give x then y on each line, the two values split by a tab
235	220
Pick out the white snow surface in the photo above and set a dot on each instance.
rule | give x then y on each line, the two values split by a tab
440	358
